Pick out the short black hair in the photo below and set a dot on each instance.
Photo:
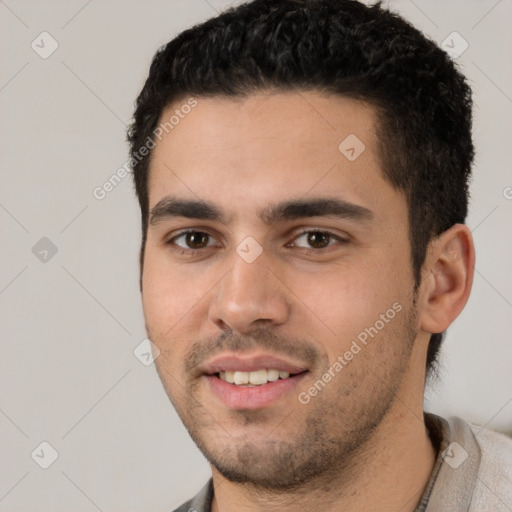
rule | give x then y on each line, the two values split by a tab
423	102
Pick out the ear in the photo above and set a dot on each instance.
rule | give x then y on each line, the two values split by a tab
447	278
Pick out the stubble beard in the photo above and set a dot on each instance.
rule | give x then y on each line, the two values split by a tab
329	444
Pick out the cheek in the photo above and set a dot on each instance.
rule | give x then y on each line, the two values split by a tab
168	295
346	300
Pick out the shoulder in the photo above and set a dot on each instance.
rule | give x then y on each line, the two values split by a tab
494	446
475	468
488	465
493	486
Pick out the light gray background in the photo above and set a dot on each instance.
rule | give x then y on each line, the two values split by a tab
70	325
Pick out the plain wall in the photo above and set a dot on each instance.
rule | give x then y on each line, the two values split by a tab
69	326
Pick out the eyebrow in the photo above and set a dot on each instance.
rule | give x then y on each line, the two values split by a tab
171	207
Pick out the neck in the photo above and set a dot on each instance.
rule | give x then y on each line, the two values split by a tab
399	456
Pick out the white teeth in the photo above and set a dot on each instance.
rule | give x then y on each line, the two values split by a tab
241	378
272	375
258	377
255	378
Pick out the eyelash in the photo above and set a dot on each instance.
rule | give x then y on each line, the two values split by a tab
308	252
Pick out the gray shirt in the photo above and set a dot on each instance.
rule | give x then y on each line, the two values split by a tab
472	473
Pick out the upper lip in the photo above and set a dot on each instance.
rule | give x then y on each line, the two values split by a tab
231	362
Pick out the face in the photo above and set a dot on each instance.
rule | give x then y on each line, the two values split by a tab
277	283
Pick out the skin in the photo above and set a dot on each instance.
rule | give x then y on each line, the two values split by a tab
363	433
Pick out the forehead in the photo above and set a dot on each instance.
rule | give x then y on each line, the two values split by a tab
268	147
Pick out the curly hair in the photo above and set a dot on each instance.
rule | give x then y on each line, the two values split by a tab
423	102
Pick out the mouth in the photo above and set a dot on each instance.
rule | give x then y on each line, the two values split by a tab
254	378
252	382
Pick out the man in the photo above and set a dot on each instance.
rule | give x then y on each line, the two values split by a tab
302	169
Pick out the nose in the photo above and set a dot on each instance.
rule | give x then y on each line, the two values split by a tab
249	296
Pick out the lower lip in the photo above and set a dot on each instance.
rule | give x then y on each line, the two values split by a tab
256	397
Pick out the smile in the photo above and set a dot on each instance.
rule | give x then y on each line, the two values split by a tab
255	378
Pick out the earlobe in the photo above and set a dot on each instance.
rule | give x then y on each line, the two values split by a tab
448	278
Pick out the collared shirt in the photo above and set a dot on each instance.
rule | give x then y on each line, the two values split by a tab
472	472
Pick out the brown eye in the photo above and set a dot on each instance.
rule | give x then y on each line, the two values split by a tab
318	240
196	239
192	240
315	239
